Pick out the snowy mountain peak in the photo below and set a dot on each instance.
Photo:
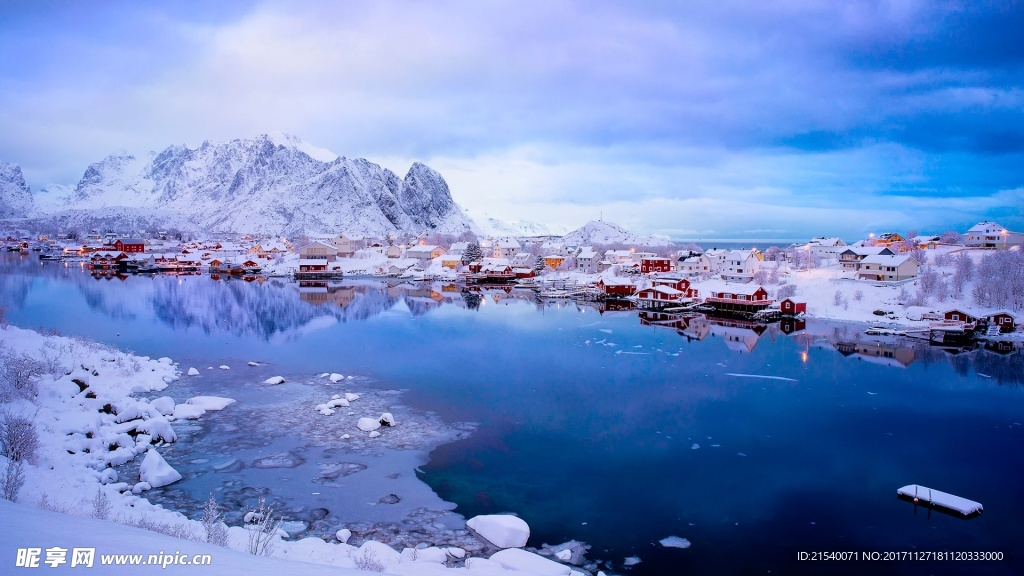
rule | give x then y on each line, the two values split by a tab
273	183
601	232
15	196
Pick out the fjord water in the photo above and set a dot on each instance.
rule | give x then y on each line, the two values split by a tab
595	427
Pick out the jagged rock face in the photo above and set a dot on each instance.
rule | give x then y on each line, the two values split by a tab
263	185
15	196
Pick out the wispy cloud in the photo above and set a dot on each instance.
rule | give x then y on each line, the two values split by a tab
677	117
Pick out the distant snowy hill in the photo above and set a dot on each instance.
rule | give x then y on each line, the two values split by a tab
272	184
15	196
601	232
487	225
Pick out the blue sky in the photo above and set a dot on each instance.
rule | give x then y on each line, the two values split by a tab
693	120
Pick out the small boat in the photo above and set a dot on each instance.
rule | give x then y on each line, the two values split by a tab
948	502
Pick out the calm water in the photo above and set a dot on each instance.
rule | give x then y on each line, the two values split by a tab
595	427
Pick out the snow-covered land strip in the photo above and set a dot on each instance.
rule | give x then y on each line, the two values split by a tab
89	409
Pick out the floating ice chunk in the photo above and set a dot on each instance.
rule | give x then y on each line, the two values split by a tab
674	542
783	378
210	403
631	561
157	471
351	397
293	527
374	434
325	411
346	436
873	393
193	372
564	555
368	424
337	402
343	535
254	363
225	367
274	380
516	559
605	330
163	405
336	377
695	446
502	530
349	377
188	412
740	454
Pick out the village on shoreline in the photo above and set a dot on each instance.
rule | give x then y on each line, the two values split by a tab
948	288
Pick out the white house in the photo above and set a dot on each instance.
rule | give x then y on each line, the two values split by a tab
991	235
694	265
588	261
826	247
740	266
506	248
618	256
716	258
345	245
458	248
887	268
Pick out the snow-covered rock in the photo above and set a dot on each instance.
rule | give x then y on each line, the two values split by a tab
225	367
374	434
516	559
210	403
188	412
163	405
336	377
156	471
386	419
502	530
343	535
193	372
274	380
368	424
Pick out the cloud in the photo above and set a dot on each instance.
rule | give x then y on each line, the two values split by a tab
532	106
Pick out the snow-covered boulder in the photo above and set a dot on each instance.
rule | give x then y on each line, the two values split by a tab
158	428
210	403
187	412
368	424
351	397
254	363
163	405
336	377
141	487
516	559
156	471
193	372
386	419
225	367
374	434
502	530
274	380
108	476
343	535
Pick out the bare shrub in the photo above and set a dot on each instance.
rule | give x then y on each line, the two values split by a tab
858	295
101	505
18	373
369	561
173	529
12	480
213	524
786	291
19	439
262	527
837	299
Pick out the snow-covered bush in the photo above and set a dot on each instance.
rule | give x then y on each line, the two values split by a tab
1003	280
368	561
858	295
262	527
12	480
18	374
837	298
213	524
786	291
19	439
101	505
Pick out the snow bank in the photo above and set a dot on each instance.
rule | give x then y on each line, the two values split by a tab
502	530
516	559
156	471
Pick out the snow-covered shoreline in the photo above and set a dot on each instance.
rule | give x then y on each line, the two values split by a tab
93	411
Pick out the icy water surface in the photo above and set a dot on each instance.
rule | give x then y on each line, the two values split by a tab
590	426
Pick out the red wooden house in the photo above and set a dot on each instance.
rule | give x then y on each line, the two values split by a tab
791	308
655	264
130	245
616	287
681	284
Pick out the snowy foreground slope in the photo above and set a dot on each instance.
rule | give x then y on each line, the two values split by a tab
95	408
273	184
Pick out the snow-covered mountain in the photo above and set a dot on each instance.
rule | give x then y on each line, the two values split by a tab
487	225
15	196
272	184
601	232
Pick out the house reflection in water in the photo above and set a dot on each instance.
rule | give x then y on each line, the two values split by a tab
884	353
319	292
739	335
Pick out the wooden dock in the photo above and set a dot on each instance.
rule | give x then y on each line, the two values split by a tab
927	496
